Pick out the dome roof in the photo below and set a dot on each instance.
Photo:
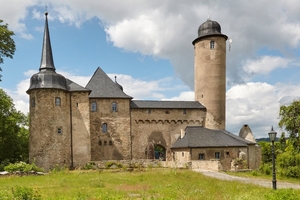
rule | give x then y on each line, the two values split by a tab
209	28
47	79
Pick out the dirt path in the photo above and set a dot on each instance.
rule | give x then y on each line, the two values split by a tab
257	181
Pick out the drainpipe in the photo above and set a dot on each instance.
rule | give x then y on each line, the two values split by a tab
71	132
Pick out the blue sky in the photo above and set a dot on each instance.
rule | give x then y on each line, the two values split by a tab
148	45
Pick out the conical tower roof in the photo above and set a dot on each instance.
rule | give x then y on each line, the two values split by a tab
47	77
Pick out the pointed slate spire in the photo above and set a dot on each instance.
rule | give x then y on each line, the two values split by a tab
47	58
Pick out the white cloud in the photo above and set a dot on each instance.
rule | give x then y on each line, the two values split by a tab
265	64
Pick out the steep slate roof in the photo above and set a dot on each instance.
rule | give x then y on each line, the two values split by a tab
103	87
166	104
75	87
198	136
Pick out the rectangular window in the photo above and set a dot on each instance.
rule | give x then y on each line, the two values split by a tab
149	111
217	155
59	131
114	107
104	128
94	107
57	101
201	156
184	111
212	44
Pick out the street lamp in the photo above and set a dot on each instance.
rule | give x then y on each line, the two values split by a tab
272	136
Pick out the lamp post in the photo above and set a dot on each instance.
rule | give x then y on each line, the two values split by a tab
272	136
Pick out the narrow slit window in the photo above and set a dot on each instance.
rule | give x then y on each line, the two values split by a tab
57	101
212	44
33	102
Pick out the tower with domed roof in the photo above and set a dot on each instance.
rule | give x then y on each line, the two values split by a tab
210	73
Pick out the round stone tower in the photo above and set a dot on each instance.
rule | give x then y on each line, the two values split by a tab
210	73
49	139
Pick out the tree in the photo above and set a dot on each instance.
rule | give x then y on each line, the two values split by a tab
290	121
7	44
13	131
289	159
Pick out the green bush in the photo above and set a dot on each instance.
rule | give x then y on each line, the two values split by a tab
266	168
25	193
22	167
3	164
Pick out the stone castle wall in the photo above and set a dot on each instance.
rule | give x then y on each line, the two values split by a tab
160	127
47	145
115	143
81	141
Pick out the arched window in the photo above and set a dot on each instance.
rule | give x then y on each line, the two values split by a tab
94	107
104	128
114	107
57	101
212	44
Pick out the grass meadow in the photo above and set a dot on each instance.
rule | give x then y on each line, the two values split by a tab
155	183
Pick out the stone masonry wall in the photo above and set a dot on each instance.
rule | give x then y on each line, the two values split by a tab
49	147
115	143
210	79
160	127
81	128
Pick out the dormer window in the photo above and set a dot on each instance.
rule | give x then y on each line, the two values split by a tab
94	107
212	44
114	107
57	101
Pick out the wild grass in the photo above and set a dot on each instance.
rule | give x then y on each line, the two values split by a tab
148	184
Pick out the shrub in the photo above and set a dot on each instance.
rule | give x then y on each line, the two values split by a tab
266	168
22	167
25	193
90	165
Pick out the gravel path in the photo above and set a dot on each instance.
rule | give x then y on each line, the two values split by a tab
257	181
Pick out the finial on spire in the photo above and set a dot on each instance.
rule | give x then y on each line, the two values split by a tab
46	10
115	78
208	17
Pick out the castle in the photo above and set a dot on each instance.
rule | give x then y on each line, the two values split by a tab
71	125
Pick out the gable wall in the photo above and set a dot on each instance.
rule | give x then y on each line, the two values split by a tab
115	144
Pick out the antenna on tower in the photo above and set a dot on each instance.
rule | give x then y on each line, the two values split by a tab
208	17
230	42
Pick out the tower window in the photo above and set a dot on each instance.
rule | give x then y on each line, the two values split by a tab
149	111
94	107
104	128
212	44
114	107
110	143
59	131
100	142
32	102
184	111
57	101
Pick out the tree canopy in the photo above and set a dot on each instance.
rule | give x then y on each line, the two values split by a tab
7	44
13	131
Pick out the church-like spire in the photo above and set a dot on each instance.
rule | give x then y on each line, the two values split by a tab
47	58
